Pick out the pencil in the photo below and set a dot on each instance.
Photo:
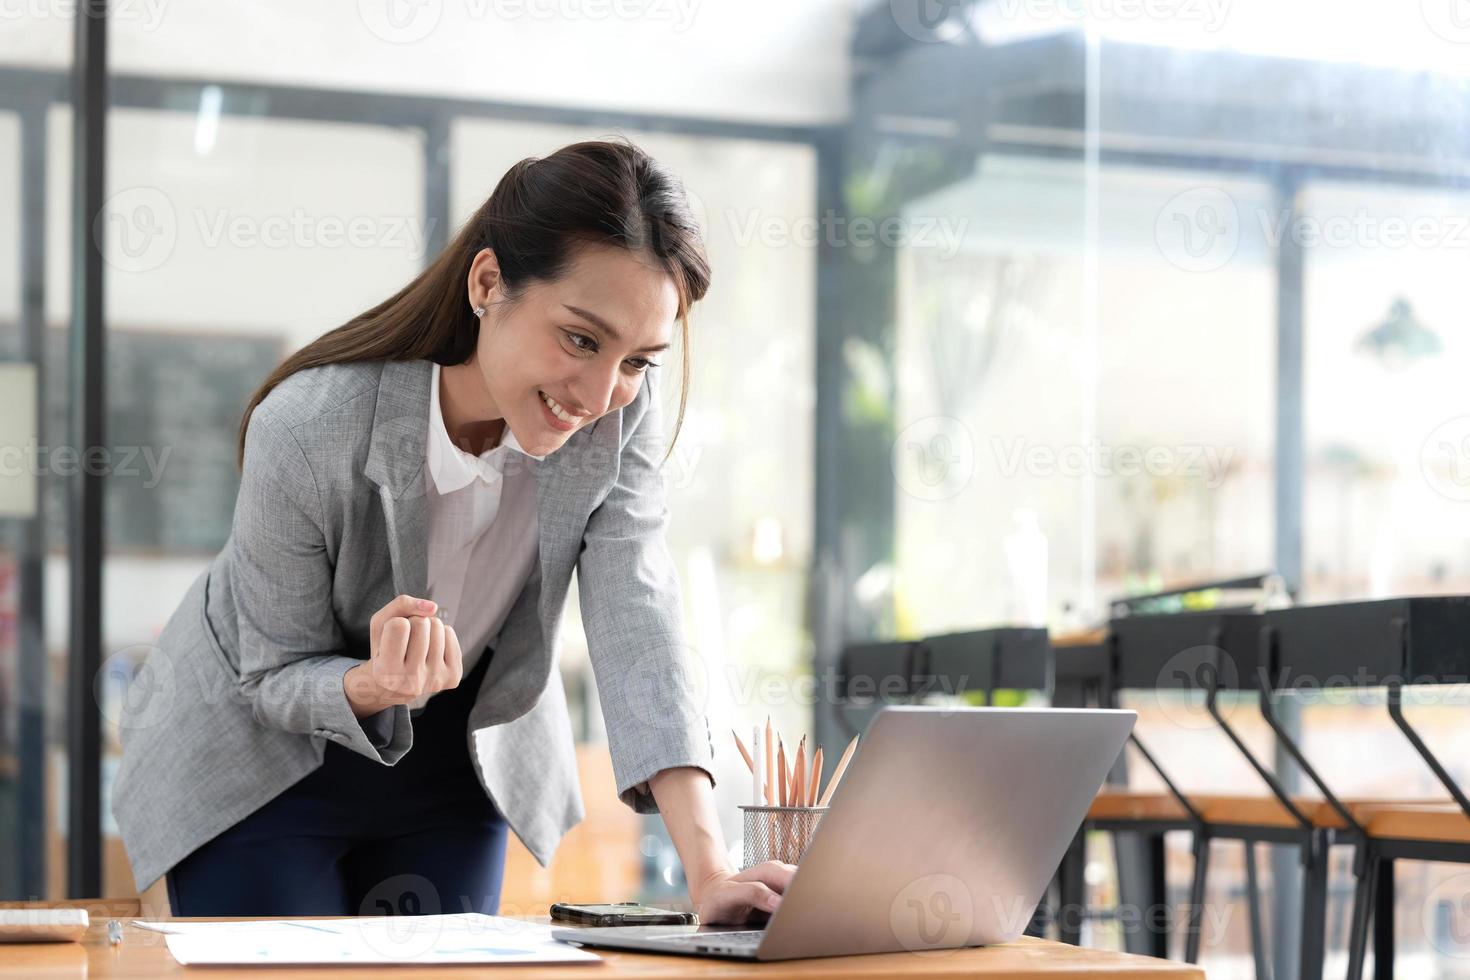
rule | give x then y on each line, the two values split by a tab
798	795
757	773
837	773
749	762
770	766
816	778
781	767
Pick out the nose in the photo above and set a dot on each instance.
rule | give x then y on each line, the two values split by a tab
597	386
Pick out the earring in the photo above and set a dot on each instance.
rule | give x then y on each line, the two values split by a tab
479	312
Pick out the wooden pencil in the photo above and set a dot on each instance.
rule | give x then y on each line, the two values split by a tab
770	766
837	773
816	786
798	795
781	766
749	762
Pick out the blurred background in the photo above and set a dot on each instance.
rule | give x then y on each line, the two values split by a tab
1019	306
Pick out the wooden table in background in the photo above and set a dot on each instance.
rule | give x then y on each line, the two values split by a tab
142	955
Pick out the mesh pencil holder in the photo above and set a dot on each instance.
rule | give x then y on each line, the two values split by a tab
779	833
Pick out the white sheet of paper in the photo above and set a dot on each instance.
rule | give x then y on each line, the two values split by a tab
468	937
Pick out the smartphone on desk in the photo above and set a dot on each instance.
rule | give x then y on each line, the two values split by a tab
621	914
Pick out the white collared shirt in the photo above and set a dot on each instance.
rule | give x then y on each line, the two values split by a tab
484	536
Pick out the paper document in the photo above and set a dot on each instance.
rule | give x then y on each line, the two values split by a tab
466	937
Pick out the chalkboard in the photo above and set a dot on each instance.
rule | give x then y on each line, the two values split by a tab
174	403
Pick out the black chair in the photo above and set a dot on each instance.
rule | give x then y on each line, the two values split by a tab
1385	643
989	660
1214	652
1137	821
874	672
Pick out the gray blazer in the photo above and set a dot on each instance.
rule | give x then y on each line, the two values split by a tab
237	699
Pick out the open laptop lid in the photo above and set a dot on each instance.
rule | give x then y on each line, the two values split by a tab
946	829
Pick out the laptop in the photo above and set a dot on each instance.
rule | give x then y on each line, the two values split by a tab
945	832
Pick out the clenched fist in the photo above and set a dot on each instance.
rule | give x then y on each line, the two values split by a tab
413	654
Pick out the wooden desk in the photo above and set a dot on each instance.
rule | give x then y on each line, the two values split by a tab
143	955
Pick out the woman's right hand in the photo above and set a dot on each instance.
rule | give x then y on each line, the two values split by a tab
413	653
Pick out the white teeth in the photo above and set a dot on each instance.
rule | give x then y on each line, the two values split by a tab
557	410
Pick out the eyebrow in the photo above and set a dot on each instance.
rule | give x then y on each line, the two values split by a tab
608	329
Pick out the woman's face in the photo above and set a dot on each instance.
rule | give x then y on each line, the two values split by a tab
573	350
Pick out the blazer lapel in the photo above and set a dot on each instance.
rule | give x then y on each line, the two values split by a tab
564	480
395	464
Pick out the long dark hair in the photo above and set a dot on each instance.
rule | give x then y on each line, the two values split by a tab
598	192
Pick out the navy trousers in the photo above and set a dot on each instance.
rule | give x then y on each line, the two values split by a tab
356	837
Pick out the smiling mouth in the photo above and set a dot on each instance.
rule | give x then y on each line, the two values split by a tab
561	414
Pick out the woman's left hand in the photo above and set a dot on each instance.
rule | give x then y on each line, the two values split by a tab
728	898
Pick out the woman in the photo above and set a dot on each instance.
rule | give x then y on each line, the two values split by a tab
359	694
